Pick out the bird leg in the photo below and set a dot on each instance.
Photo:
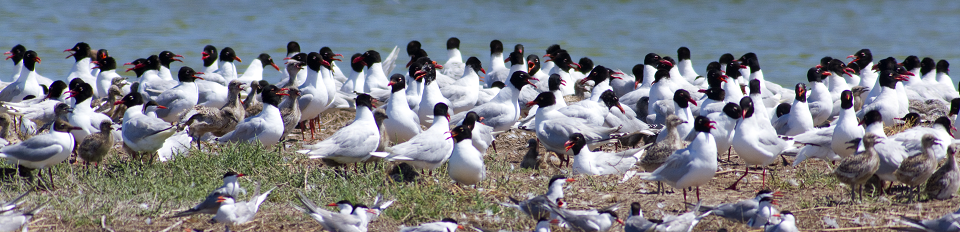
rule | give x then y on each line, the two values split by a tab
763	178
698	193
494	144
746	172
684	195
728	153
50	174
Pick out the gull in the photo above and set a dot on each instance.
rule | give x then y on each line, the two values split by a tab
798	120
142	130
427	150
946	180
600	163
431	90
42	151
180	98
465	92
755	140
483	135
96	146
819	100
401	123
503	111
352	143
846	127
855	170
27	84
210	204
466	162
742	211
916	169
454	65
692	166
266	127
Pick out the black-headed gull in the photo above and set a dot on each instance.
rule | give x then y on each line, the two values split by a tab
266	127
25	85
466	162
755	140
181	97
692	166
427	150
42	151
352	143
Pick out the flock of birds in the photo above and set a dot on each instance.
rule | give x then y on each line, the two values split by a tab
676	120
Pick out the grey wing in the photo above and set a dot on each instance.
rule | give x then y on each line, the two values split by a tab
9	92
34	150
781	124
816	108
674	168
420	146
248	129
661	109
143	126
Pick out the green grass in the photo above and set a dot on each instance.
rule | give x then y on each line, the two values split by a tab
127	193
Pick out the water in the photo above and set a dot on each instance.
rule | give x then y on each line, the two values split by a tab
788	36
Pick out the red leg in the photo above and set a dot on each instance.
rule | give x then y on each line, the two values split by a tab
698	193
745	172
763	178
684	194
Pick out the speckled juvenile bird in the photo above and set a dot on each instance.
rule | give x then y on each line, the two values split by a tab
856	169
946	180
96	146
915	170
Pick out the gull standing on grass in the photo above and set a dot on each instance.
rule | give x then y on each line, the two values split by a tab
352	143
427	150
466	163
42	151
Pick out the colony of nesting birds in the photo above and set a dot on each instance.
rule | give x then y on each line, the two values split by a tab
674	123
